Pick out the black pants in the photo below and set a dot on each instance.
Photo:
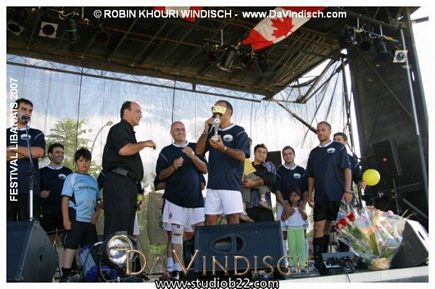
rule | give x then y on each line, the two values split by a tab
19	210
260	214
120	195
51	218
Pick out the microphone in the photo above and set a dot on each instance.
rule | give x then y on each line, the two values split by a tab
25	118
109	123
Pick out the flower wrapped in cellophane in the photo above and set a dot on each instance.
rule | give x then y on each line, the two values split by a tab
372	234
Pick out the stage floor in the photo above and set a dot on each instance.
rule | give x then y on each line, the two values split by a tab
414	274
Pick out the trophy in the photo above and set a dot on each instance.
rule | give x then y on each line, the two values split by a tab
217	111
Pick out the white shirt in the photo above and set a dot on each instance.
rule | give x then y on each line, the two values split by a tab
295	220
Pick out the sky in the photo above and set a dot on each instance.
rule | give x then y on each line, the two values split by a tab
425	43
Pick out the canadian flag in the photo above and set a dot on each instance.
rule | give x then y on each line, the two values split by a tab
279	25
187	13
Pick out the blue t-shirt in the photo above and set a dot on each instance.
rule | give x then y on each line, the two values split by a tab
326	165
52	180
183	187
225	172
83	192
18	137
289	178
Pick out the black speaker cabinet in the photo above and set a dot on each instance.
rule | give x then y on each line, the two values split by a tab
387	158
414	249
30	255
258	243
274	157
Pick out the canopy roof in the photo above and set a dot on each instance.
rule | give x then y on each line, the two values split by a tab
185	51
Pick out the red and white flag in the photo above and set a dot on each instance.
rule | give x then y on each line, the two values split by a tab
279	25
187	13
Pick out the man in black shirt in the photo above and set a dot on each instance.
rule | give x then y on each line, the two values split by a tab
18	164
123	170
329	174
355	164
52	178
267	177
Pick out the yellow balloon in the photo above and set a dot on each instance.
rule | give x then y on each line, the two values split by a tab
371	177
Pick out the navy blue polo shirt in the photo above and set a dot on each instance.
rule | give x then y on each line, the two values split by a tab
183	187
225	172
18	137
326	165
52	180
290	178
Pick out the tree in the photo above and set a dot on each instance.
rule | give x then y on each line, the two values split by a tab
71	134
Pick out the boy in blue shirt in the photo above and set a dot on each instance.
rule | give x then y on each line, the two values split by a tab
80	209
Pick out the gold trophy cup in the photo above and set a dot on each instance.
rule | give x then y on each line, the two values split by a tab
217	111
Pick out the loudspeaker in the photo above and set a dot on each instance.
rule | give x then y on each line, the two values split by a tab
414	248
274	157
253	241
387	158
30	254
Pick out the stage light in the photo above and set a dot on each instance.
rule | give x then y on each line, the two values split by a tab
16	21
101	36
15	28
246	60
400	56
365	43
71	30
116	247
382	51
347	37
227	61
48	29
262	62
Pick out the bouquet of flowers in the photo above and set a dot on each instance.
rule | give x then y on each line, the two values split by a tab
372	234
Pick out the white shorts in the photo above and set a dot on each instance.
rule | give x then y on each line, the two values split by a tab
186	217
223	202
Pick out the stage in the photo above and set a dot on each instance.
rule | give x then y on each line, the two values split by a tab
414	274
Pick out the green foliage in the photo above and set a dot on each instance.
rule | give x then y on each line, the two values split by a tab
72	135
157	250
